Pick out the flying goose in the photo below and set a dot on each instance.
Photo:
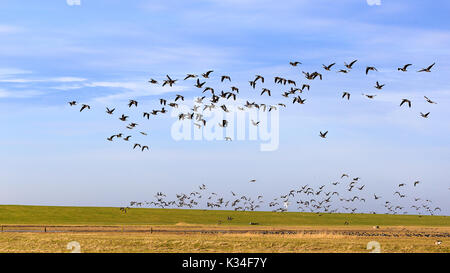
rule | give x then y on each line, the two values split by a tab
224	77
295	63
224	123
428	69
424	115
206	75
429	101
259	77
264	90
199	84
349	66
346	94
370	96
404	68
190	76
255	123
379	86
110	111
169	81
123	117
84	106
132	102
72	103
137	145
406	101
370	68
323	135
328	68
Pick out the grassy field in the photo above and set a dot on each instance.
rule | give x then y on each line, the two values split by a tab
330	234
43	215
172	243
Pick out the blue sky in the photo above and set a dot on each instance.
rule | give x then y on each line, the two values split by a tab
104	52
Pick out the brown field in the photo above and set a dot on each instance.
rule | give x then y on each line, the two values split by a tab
215	239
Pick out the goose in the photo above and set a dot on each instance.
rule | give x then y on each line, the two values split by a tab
424	115
110	111
379	86
255	123
224	123
369	96
259	77
199	100
299	100
123	117
404	68
179	97
225	78
84	106
162	101
144	147
72	103
169	81
416	182
429	101
323	135
428	69
346	94
190	76
265	90
328	67
153	81
406	101
206	75
199	84
137	145
370	68
350	65
132	102
294	63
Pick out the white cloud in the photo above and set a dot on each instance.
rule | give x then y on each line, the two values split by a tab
9	29
59	79
19	94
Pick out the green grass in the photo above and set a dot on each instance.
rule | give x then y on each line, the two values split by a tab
51	215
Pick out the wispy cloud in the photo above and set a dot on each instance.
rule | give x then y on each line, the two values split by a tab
19	94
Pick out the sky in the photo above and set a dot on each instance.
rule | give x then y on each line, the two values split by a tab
103	52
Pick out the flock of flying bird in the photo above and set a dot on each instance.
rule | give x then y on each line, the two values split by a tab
216	98
317	200
346	195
